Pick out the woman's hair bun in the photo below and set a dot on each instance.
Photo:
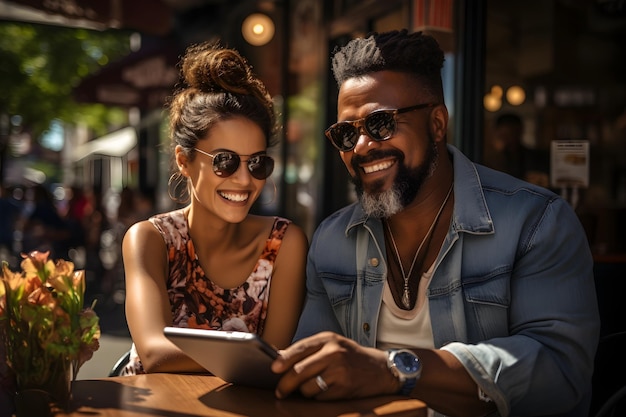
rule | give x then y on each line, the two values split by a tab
209	67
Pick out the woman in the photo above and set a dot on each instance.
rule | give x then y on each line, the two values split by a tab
211	264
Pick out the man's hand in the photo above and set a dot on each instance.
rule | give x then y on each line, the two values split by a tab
348	369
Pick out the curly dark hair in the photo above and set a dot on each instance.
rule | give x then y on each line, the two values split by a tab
415	53
217	84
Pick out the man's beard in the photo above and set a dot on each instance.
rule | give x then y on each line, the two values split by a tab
406	185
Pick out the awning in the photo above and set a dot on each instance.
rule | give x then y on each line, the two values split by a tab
115	144
142	79
152	17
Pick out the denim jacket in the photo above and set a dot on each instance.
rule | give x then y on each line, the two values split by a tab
512	295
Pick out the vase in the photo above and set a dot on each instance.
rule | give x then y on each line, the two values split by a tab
44	399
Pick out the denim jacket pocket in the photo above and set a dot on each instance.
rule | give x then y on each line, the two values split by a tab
487	300
340	288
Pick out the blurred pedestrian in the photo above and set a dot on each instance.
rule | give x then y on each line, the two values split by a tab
44	229
507	152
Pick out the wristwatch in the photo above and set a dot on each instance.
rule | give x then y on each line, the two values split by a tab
406	366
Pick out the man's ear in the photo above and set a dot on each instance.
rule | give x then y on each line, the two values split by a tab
439	122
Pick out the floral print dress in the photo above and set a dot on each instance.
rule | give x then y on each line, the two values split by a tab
196	301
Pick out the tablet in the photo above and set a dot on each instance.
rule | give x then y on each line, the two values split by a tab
237	357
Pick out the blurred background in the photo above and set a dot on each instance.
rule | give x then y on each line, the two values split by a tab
536	88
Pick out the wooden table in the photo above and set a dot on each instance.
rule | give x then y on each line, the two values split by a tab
178	395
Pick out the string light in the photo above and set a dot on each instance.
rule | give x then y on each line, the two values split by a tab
257	29
491	102
515	95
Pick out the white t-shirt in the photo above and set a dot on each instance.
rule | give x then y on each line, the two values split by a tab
398	328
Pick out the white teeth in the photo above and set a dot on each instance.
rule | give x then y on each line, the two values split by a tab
378	167
238	197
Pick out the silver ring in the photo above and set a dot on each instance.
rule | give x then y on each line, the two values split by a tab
321	383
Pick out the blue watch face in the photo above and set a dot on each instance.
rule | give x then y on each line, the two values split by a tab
407	363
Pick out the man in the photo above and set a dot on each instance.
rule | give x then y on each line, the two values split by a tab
485	280
507	153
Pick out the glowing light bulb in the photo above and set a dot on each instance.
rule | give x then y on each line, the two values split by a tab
491	102
257	29
515	95
496	91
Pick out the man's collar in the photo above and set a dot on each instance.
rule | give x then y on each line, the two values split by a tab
474	217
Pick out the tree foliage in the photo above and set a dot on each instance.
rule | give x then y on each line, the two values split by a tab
41	65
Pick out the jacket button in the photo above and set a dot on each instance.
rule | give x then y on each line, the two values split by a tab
374	262
366	327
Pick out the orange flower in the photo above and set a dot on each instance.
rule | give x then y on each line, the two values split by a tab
60	283
41	296
13	280
78	281
44	319
3	303
37	263
31	284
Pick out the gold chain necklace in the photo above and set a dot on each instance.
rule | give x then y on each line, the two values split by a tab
405	294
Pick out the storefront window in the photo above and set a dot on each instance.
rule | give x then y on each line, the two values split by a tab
555	106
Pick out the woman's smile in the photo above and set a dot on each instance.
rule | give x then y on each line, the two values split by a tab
235	196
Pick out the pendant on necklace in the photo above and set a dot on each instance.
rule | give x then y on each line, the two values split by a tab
405	297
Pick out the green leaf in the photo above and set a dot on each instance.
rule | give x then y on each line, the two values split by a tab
42	64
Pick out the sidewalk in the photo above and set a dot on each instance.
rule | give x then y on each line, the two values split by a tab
111	349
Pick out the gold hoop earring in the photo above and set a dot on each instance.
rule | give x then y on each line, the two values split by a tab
178	189
274	196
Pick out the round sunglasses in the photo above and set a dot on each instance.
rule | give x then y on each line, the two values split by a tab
379	125
226	163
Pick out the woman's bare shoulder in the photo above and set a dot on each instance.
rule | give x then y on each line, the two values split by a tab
142	236
141	230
